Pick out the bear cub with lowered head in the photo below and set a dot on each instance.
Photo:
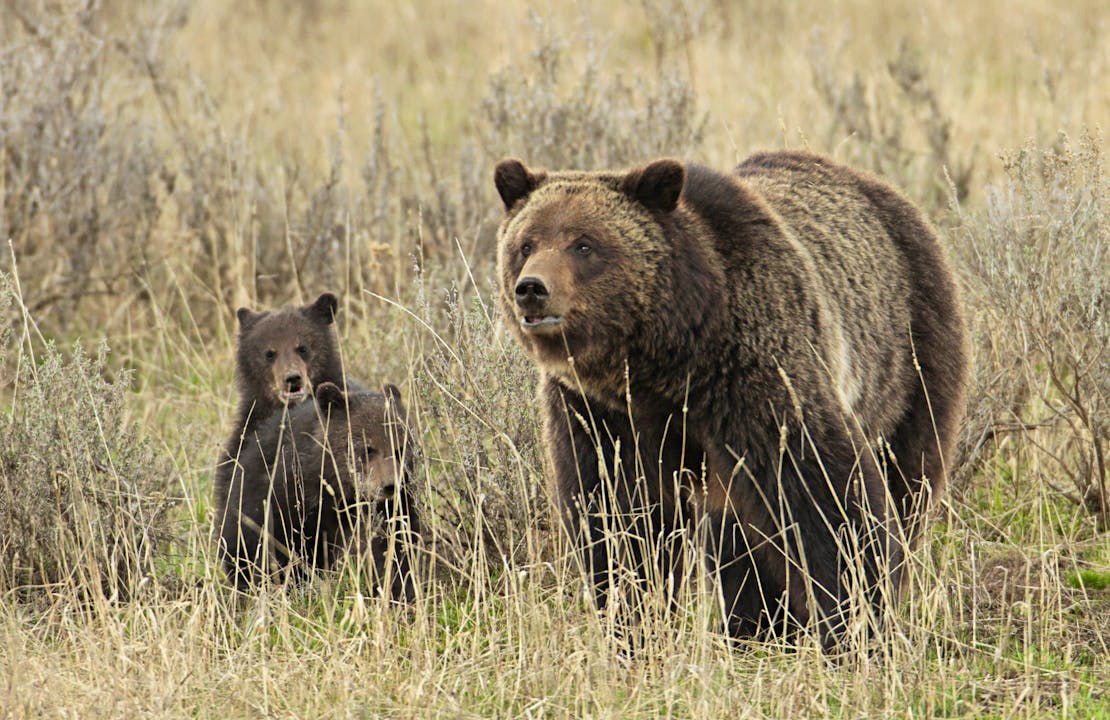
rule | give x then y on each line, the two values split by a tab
326	478
775	355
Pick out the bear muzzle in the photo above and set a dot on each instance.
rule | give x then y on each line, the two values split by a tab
292	382
533	304
378	481
294	388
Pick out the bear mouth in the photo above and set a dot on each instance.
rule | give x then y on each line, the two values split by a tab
541	322
294	396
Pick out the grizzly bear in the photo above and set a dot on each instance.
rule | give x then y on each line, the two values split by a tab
777	356
323	479
280	356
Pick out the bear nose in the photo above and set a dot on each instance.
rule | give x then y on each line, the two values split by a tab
531	289
293	382
387	490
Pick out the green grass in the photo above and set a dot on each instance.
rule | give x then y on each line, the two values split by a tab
1089	579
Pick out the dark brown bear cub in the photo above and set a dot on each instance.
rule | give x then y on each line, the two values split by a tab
777	355
281	355
326	478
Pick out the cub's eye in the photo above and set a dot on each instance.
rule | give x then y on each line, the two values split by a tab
583	248
302	351
526	249
270	355
370	453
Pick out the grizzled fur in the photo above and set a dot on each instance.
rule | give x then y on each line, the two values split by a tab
741	340
318	481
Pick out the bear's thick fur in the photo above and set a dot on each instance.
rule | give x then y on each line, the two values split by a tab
325	477
281	355
777	354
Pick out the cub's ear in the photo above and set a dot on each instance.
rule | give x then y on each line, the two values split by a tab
247	318
329	395
323	309
393	397
514	181
657	185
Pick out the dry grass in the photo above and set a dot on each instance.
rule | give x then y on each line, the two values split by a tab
161	165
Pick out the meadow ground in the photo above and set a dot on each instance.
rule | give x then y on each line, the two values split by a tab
164	162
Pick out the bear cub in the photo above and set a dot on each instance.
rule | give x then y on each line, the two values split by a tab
281	356
327	478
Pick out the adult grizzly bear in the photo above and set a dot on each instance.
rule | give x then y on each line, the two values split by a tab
777	354
319	480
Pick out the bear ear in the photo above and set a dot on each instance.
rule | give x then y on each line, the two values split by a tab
514	181
247	318
328	395
393	396
323	309
657	185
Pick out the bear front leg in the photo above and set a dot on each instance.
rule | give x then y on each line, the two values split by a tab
393	571
752	603
240	532
606	513
578	449
810	531
394	552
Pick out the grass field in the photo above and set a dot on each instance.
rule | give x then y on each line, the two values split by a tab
163	163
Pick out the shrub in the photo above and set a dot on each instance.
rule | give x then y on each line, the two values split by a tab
892	117
483	447
82	495
558	119
1039	279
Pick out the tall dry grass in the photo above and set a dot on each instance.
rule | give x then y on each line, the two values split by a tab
164	163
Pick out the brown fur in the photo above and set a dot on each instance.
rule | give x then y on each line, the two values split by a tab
289	349
294	348
308	487
771	315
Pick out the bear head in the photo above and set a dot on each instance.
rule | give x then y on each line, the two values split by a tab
283	354
584	261
361	445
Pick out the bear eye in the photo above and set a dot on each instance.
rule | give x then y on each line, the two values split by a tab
583	248
270	355
302	351
526	249
370	452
